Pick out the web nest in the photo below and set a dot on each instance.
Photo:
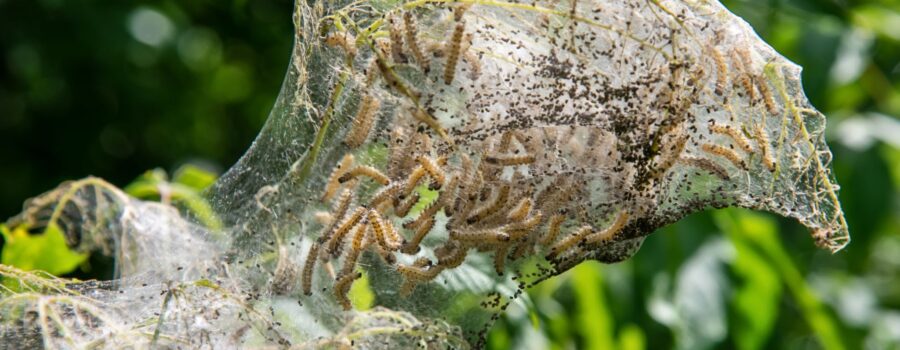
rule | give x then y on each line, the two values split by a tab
451	154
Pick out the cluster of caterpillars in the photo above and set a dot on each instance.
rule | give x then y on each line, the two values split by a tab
487	200
752	83
403	45
484	211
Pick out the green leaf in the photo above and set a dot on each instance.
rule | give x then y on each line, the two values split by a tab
361	294
631	337
759	291
753	227
194	177
185	189
46	252
594	317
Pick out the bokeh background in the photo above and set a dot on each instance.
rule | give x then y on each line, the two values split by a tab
114	88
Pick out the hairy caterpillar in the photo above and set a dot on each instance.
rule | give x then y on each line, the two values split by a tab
767	159
490	236
553	229
527	225
332	185
569	242
736	135
396	41
375	222
768	99
433	169
342	287
399	152
403	208
500	259
358	243
611	231
721	70
363	121
521	210
451	255
510	160
413	180
705	164
453	55
308	266
412	246
410	23
395	239
365	170
385	193
337	237
724	152
339	210
497	202
744	76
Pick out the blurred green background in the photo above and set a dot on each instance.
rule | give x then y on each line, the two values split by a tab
113	88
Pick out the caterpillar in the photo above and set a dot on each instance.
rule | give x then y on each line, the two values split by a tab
767	159
510	160
396	41
308	266
465	184
744	76
553	229
521	210
385	193
338	212
490	236
362	123
497	202
403	208
768	99
736	135
412	246
413	180
365	170
332	185
420	270
342	287
451	255
338	236
378	228
356	247
527	225
410	30
724	152
611	231
705	164
453	55
433	169
399	152
569	242
668	156
500	259
394	238
721	70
